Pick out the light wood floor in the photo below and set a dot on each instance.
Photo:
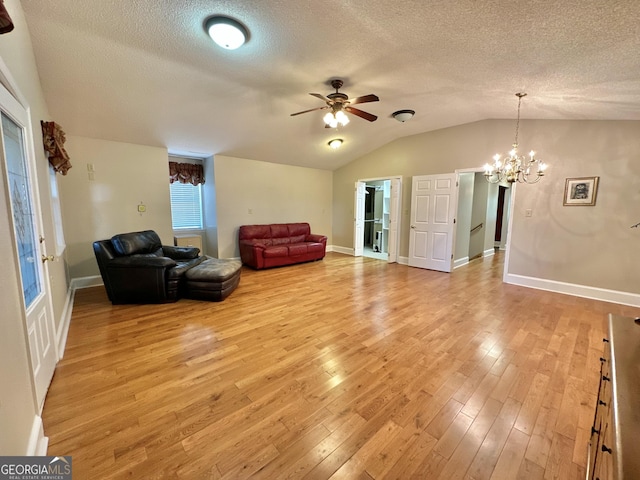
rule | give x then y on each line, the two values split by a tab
346	368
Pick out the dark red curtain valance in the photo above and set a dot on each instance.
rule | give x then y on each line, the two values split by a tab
186	173
6	24
53	139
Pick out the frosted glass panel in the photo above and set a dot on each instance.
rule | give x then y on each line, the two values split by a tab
23	216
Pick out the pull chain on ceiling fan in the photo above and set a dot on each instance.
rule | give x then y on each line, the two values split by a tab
338	103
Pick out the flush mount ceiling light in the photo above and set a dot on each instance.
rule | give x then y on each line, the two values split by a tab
226	32
515	168
336	143
403	115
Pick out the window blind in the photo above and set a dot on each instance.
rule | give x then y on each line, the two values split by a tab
186	206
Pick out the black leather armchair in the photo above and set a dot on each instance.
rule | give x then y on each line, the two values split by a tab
137	268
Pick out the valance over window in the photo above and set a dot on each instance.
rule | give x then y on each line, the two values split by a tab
53	139
6	24
186	173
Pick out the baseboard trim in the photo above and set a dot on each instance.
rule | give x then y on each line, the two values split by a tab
65	321
85	282
489	252
337	249
593	293
461	262
403	260
38	443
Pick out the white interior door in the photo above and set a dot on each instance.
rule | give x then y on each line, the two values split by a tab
19	174
394	218
358	221
433	207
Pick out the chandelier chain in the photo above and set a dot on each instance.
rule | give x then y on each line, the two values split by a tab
520	95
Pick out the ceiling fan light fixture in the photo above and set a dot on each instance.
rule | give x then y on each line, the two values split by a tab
342	118
333	120
226	32
336	143
403	115
329	119
339	105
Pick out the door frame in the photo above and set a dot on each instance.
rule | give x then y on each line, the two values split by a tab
8	83
392	215
512	195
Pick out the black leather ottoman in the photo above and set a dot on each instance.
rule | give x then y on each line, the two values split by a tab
214	279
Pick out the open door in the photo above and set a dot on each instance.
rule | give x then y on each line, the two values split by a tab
394	219
433	207
358	221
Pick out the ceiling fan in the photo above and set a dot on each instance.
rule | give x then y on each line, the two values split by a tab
339	103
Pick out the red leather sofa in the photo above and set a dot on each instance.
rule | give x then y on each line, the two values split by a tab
277	244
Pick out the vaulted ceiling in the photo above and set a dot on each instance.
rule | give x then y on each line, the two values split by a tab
145	71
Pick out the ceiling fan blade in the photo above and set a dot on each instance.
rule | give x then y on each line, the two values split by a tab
364	99
361	114
310	110
321	97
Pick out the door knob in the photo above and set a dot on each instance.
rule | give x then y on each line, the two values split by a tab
413	226
51	258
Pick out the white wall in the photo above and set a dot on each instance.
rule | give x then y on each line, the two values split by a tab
578	245
251	192
18	411
478	215
99	208
125	175
210	209
592	246
463	217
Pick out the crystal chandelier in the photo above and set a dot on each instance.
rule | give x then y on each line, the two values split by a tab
515	168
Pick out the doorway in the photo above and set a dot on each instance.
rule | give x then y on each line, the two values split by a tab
377	217
482	217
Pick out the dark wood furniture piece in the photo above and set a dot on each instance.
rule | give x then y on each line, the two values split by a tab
614	448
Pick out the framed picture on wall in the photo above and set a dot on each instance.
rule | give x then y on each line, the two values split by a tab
581	191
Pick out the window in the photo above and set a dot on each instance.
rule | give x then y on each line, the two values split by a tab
186	206
56	211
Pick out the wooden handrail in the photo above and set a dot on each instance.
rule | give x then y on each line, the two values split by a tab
477	227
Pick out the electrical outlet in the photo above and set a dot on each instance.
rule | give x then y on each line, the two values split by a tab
142	208
92	176
528	212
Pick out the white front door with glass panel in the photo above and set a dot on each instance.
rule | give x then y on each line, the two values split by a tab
19	175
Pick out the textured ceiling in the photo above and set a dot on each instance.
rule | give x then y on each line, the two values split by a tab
145	72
